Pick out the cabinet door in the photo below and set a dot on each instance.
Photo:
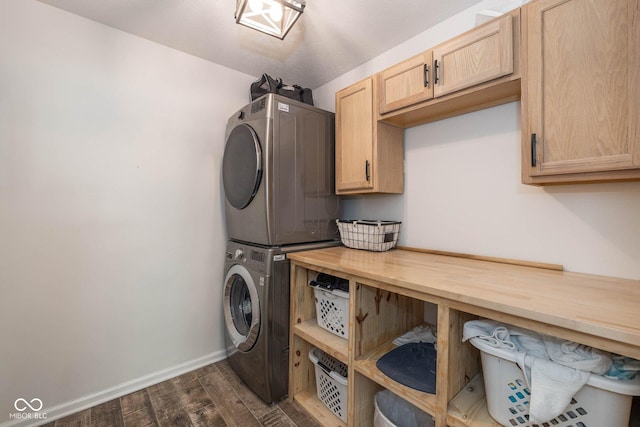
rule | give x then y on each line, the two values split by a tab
482	54
406	83
581	88
354	136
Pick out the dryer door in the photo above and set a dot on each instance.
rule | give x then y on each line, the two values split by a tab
241	166
241	308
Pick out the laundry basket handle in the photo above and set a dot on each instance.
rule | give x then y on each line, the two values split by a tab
324	367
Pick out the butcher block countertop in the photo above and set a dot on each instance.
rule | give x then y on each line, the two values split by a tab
600	311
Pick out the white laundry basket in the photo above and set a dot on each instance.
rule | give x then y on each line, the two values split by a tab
393	411
331	382
332	310
602	402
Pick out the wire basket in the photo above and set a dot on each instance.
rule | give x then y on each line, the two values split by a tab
376	236
331	382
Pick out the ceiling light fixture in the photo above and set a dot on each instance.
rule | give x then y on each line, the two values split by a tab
273	17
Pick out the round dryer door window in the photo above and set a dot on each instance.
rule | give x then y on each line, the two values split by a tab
241	166
241	308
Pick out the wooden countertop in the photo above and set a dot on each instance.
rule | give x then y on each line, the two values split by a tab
603	310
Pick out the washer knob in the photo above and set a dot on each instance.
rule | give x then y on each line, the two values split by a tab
238	254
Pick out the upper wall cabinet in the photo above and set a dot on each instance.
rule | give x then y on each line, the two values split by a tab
369	153
406	83
581	91
477	69
478	56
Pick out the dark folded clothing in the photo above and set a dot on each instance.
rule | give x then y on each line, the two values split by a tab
329	282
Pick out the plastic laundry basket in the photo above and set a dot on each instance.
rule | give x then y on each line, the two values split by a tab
602	402
331	382
332	311
393	411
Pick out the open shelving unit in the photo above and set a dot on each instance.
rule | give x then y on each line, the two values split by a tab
389	294
378	313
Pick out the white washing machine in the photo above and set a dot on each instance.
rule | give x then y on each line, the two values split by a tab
256	313
278	173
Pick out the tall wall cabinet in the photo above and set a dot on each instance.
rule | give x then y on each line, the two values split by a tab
581	91
369	153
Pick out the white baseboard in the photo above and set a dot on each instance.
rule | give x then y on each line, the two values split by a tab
77	405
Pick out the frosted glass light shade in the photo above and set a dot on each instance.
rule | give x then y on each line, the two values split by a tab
273	17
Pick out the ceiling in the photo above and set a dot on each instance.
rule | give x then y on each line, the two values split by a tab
331	38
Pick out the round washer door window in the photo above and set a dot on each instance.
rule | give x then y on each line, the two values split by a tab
241	308
241	166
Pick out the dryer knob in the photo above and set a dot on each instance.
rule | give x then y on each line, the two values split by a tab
238	253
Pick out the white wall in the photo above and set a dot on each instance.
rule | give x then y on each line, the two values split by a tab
111	209
463	191
111	217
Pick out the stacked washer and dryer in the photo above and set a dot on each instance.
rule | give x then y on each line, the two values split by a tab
278	177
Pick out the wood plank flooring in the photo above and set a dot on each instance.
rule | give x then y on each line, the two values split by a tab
210	396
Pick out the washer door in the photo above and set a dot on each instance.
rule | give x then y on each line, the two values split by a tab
241	166
241	308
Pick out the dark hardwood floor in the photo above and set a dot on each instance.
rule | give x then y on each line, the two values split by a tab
209	396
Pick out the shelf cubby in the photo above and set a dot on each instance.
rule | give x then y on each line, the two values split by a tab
367	366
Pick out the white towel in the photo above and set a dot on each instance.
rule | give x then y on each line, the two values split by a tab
422	333
491	331
552	386
554	369
577	356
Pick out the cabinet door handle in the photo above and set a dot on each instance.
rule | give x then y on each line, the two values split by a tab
426	75
533	150
436	69
366	170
